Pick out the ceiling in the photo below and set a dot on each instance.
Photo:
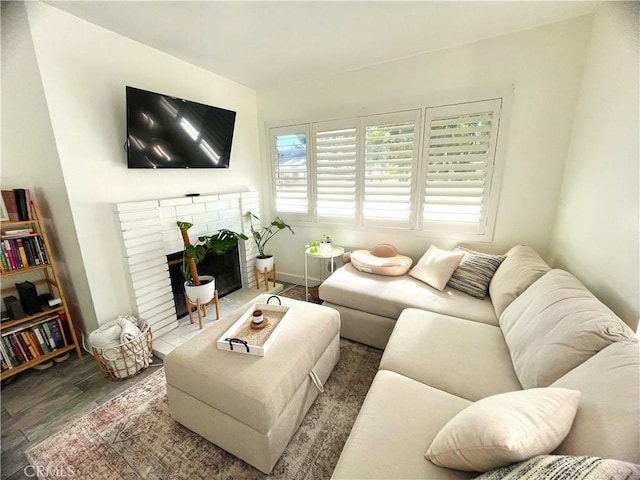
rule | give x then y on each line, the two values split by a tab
269	43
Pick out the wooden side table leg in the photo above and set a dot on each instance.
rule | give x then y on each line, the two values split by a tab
215	296
189	305
199	313
265	274
274	275
255	274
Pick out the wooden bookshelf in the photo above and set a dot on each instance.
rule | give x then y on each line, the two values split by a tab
47	282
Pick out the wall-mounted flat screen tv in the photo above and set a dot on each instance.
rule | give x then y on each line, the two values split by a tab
168	132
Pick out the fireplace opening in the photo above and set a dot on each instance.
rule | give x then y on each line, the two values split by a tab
224	268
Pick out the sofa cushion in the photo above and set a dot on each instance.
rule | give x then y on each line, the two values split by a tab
464	358
521	267
608	419
436	267
553	467
554	326
474	272
388	296
397	422
505	428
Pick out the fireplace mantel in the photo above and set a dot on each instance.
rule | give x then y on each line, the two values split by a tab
149	233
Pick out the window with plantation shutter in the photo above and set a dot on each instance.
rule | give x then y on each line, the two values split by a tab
390	150
290	157
458	166
335	155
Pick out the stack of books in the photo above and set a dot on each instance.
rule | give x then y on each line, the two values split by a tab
18	204
24	343
21	249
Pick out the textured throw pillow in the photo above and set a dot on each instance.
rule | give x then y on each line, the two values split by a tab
505	428
552	467
436	267
474	272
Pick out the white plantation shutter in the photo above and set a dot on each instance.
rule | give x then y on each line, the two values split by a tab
390	151
335	155
290	157
459	155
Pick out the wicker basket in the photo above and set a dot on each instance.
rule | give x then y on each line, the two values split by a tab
126	360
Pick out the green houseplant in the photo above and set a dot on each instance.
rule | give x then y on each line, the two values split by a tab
262	235
219	243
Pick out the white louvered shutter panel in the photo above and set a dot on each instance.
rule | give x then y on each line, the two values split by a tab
390	152
335	149
290	157
460	147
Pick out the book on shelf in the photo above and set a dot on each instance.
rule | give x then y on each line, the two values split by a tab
10	204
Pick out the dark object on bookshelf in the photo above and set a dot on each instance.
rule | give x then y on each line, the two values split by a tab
29	297
44	298
21	200
4	316
14	307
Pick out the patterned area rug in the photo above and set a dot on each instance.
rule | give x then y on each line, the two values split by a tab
133	436
297	292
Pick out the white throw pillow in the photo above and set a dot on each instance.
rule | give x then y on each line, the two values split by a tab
436	267
504	429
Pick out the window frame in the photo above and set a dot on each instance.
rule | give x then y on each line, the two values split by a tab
416	225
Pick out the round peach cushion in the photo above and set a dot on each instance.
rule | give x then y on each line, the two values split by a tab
382	260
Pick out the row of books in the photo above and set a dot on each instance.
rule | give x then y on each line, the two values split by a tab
18	204
24	343
22	251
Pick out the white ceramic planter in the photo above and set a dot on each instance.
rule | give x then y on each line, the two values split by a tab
324	247
203	292
263	264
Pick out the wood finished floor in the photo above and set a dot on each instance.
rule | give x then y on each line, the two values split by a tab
37	404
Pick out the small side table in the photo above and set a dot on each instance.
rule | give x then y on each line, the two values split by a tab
201	308
265	274
335	252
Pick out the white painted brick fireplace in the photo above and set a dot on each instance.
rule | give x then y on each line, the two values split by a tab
149	234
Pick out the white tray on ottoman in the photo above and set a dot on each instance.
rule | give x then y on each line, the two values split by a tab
247	404
242	337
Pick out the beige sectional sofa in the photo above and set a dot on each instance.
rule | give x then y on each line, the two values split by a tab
445	351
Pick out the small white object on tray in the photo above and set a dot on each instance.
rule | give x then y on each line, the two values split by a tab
242	338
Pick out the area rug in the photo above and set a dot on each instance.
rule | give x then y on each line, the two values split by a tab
297	292
133	437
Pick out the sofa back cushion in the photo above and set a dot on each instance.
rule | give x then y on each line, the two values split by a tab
554	326
608	420
516	273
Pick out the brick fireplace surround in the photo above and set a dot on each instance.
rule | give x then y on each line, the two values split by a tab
149	234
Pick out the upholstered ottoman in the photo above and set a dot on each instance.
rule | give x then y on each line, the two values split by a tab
251	405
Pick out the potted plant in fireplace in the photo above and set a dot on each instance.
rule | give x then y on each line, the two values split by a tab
196	286
261	235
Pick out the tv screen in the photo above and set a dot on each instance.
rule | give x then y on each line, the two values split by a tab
168	132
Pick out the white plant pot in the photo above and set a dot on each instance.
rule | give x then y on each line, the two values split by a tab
204	292
324	247
263	264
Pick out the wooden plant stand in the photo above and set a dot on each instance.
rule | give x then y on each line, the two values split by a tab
265	274
201	308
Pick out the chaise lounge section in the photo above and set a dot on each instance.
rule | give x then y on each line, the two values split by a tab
548	335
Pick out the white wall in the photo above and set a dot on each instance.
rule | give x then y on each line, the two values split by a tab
30	158
84	70
545	65
596	233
